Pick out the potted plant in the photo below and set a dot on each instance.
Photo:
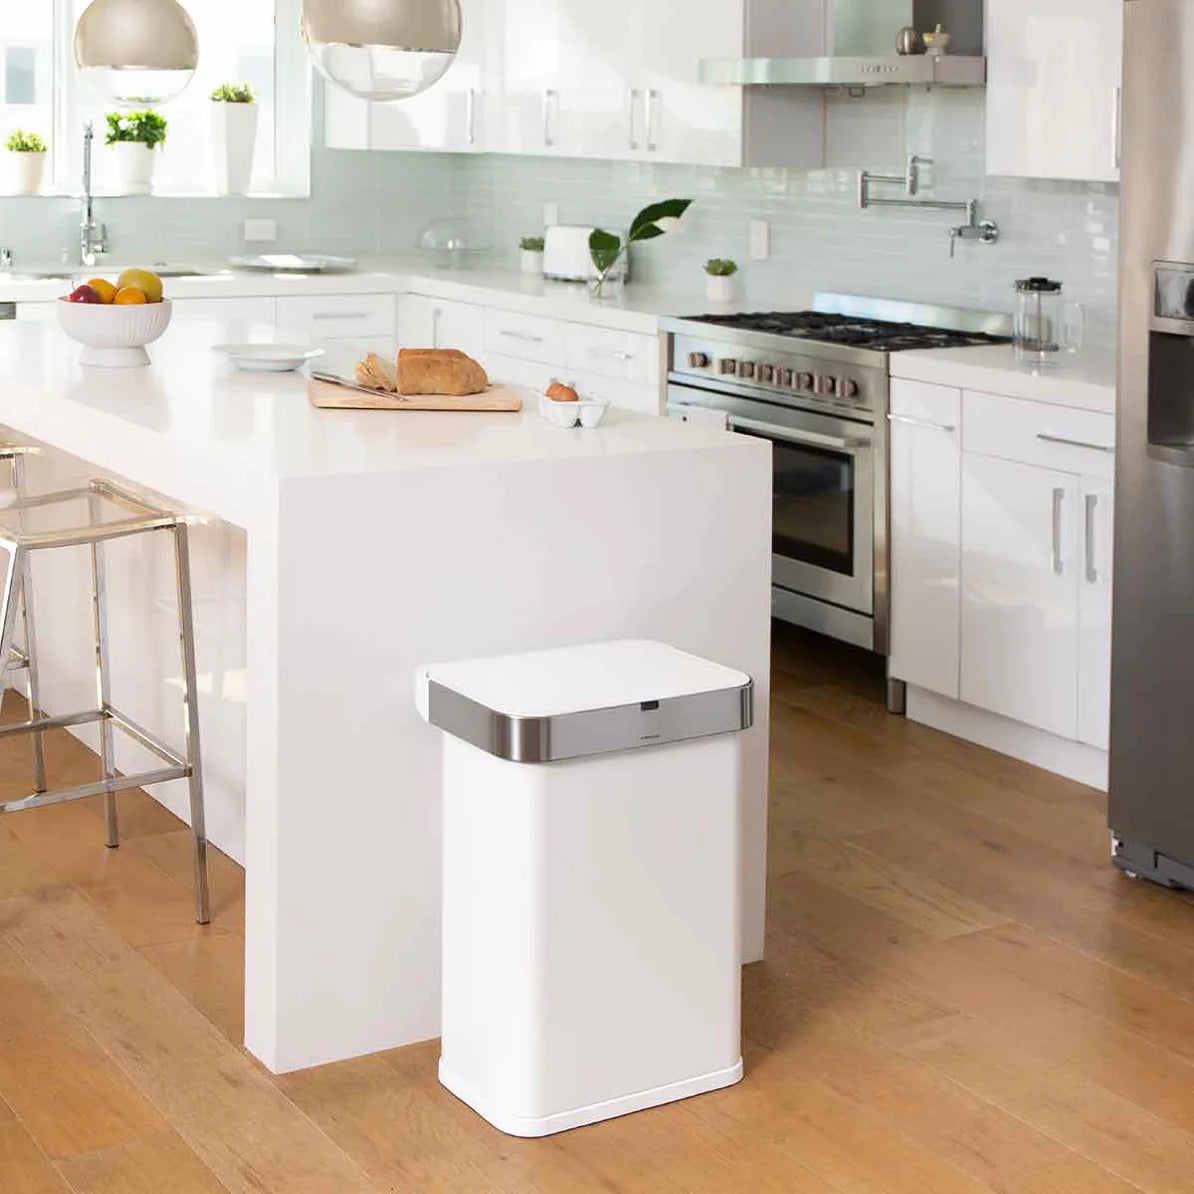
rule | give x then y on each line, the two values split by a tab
233	136
25	163
131	140
719	279
531	255
607	250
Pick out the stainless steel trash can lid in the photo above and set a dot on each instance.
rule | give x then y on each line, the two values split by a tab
546	706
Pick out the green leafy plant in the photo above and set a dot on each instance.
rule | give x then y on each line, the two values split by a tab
148	128
721	267
22	142
607	250
531	244
234	93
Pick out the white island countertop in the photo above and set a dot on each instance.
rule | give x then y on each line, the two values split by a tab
363	544
1085	380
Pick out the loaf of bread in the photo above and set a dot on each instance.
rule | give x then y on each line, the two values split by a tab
374	373
439	371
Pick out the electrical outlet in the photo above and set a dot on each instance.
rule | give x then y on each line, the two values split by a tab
760	240
551	214
261	231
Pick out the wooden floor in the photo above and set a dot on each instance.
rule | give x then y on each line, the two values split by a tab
960	996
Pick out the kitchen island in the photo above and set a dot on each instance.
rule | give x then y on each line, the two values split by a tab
334	552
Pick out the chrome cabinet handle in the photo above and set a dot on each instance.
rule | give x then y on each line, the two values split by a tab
811	439
653	97
472	117
948	428
1117	126
525	336
341	315
1049	438
633	139
1092	572
550	96
436	315
1058	502
614	356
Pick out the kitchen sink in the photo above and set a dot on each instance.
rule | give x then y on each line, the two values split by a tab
63	274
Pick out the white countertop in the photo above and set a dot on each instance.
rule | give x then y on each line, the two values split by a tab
1086	381
192	428
638	309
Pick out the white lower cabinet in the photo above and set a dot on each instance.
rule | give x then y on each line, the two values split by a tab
425	322
1001	516
326	317
244	317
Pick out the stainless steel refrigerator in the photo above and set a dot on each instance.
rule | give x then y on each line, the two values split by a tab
1152	703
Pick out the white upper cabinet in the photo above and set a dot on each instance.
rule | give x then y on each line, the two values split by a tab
453	116
1054	82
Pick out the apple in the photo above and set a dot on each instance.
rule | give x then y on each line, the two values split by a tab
84	294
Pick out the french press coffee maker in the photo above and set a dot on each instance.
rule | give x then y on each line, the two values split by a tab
1046	324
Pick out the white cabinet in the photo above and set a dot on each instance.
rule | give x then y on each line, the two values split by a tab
452	116
1054	80
244	319
1020	593
926	464
425	322
326	317
1001	525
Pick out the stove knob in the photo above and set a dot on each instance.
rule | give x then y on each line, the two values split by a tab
766	374
826	383
783	377
847	388
802	381
727	365
698	360
746	369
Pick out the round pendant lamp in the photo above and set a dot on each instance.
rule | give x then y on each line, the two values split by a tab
382	49
137	52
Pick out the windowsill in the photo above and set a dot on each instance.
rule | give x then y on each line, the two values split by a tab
50	193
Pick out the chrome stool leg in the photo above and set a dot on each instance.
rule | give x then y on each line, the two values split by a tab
103	686
190	691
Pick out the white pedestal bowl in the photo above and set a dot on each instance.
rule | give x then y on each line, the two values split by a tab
114	336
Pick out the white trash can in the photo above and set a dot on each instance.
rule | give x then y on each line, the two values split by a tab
592	876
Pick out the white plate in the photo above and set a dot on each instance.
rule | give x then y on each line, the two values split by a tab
295	263
269	358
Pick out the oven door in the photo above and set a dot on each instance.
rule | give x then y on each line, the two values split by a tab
823	527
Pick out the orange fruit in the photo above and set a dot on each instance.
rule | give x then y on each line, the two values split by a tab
103	288
149	284
128	296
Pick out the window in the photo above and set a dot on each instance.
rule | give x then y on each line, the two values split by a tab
250	41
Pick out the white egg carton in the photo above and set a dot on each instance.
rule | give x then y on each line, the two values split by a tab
587	412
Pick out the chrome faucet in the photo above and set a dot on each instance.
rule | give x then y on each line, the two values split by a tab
986	232
93	236
6	260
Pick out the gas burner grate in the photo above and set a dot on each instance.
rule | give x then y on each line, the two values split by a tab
875	334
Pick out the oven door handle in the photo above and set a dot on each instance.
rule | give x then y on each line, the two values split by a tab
811	439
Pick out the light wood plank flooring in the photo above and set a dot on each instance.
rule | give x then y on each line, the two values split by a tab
961	996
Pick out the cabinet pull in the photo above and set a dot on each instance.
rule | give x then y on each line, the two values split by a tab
472	117
341	315
436	316
633	139
1117	126
1049	438
549	98
525	336
1092	573
653	97
1058	502
613	355
948	428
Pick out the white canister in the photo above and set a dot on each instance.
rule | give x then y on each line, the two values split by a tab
23	172
132	166
720	288
234	142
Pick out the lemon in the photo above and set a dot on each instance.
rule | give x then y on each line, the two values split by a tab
103	288
149	284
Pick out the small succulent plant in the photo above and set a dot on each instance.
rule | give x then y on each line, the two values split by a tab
532	244
146	127
234	93
721	267
21	141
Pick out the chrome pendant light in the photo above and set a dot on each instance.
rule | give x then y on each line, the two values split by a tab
382	49
137	51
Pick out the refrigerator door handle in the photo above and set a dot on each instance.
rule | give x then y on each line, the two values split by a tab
1058	502
1092	572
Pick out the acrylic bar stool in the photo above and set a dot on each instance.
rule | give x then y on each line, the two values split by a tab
16	605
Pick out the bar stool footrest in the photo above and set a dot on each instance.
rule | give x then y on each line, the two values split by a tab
119	783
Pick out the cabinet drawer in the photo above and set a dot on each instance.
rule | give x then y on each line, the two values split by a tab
1056	437
339	316
527	337
920	404
608	353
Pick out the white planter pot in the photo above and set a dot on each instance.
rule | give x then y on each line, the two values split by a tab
234	141
23	172
720	289
132	166
530	261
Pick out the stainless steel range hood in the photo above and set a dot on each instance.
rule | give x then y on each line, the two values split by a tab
851	43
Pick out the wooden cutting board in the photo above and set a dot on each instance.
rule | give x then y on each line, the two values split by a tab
329	395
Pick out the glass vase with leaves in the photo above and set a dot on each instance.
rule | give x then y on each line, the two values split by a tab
607	249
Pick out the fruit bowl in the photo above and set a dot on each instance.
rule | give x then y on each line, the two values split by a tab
111	335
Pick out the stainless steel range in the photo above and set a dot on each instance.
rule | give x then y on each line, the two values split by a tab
816	384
